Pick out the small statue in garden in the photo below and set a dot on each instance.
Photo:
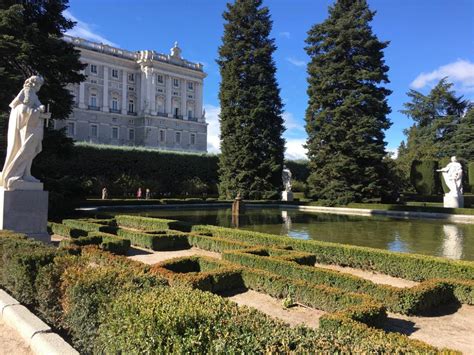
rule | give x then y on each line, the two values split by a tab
286	177
25	134
452	175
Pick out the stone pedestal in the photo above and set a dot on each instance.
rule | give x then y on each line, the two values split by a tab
25	211
453	201
287	196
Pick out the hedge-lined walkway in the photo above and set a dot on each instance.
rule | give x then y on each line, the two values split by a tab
11	343
451	328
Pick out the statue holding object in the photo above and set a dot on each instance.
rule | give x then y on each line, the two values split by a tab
25	134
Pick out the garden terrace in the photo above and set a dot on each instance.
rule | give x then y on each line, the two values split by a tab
115	294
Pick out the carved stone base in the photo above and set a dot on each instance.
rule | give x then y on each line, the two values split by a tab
287	196
453	201
25	211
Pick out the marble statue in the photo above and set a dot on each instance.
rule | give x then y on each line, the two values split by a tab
452	175
25	133
23	202
286	195
286	177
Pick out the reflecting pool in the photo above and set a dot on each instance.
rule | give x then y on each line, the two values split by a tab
429	237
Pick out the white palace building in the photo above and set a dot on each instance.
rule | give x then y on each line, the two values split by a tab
141	98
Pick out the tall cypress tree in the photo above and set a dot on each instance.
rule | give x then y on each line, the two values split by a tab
347	110
251	109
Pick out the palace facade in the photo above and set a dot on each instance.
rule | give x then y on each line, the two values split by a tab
141	98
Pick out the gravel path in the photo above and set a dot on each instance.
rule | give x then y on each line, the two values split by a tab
11	343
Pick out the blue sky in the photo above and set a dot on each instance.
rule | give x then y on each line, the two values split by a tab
429	39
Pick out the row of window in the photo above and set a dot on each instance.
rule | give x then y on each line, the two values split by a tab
94	133
131	77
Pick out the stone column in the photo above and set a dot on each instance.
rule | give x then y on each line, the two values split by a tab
124	92
168	96
143	97
198	100
151	92
82	94
184	98
105	96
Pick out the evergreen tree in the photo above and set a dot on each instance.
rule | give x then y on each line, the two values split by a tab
440	129
251	109
347	110
30	43
463	140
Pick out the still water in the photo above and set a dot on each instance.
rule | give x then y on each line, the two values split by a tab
429	237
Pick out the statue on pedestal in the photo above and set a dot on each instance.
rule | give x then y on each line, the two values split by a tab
452	175
23	203
25	133
286	175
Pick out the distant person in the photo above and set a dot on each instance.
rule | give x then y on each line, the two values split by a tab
139	193
105	194
147	194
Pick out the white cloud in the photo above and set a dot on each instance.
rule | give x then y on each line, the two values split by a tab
295	150
85	30
213	128
291	123
460	72
286	35
296	62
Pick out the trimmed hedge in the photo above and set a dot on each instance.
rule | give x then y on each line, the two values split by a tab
409	266
150	224
214	243
200	322
107	242
21	261
88	226
111	304
65	231
412	300
424	177
203	273
165	240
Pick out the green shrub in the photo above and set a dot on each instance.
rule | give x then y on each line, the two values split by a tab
22	259
65	231
49	293
166	240
88	226
408	266
199	322
214	243
113	244
91	291
82	241
148	223
424	177
371	340
401	300
203	273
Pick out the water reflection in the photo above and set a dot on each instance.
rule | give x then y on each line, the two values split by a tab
452	242
286	226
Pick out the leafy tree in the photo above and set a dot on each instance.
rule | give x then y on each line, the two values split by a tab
441	128
347	111
30	43
251	109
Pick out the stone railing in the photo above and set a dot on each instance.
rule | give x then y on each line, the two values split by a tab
135	56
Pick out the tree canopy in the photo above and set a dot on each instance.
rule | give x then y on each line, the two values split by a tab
251	109
347	110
